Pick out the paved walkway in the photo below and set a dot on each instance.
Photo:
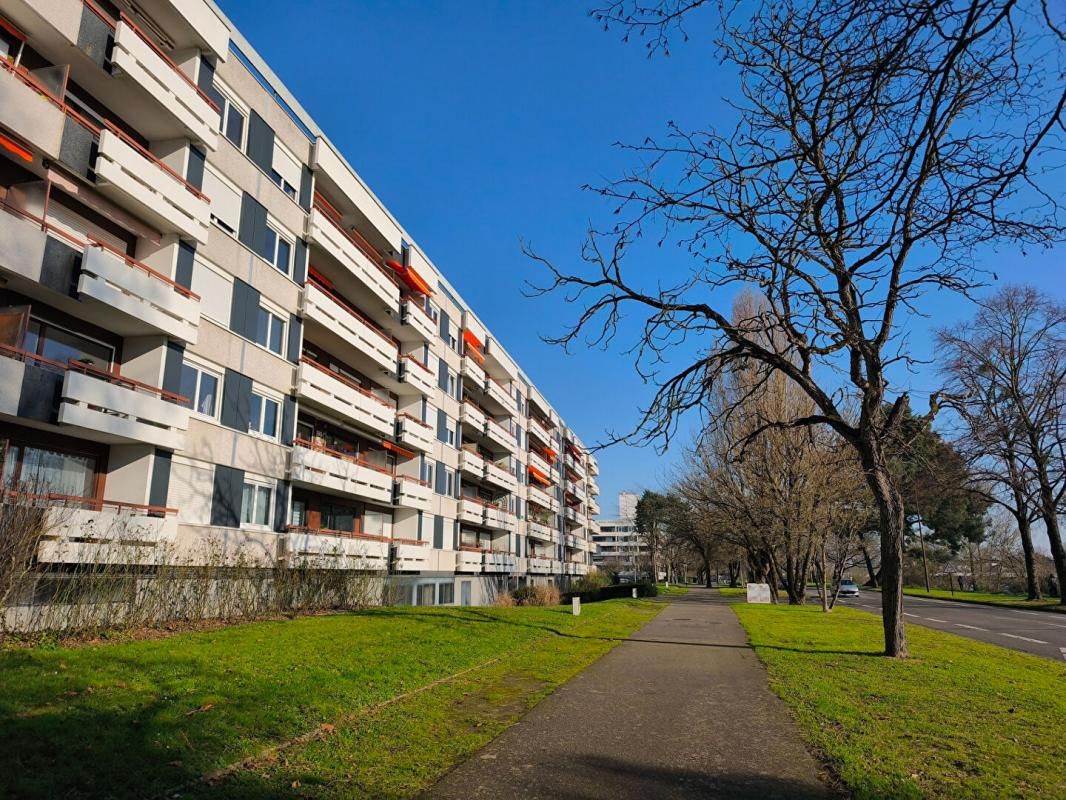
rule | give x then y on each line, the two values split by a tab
680	710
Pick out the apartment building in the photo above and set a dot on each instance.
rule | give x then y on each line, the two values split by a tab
218	344
616	540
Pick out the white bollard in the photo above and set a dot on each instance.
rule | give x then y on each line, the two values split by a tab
634	592
577	606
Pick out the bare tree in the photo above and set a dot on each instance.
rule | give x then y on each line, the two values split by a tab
1008	372
879	145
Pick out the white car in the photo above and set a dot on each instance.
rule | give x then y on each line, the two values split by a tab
848	588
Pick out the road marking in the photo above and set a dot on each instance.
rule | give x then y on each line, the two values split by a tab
971	627
941	621
1023	638
908	614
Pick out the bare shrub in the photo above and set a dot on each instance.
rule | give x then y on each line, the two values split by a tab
504	600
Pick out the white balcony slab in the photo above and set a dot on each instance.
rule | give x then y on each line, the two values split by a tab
321	308
333	393
472	464
417	325
199	23
415	434
499	562
415	378
471	512
499	519
503	396
322	232
413	493
107	536
537	530
468	560
471	415
133	180
539	566
540	463
29	115
534	494
473	375
499	435
500	477
133	58
138	295
114	412
22	244
326	471
324	551
410	557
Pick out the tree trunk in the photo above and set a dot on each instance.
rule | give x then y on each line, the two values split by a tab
869	564
1054	535
890	511
1025	530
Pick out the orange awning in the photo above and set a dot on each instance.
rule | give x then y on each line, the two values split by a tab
414	281
14	147
471	339
395	448
551	454
539	476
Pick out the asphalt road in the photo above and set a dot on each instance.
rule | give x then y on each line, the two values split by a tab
1042	633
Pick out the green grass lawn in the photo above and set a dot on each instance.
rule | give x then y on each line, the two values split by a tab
959	719
991	598
136	719
671	590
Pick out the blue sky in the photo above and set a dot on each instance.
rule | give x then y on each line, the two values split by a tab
477	123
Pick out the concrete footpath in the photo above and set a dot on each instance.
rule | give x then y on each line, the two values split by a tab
682	709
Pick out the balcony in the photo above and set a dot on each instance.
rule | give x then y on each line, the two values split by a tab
321	468
111	408
593	487
416	377
535	494
500	435
594	508
471	511
594	469
570	514
411	556
539	530
574	465
499	476
472	464
321	386
325	549
499	519
415	433
576	490
413	493
134	178
593	527
323	232
89	531
539	566
575	568
471	415
468	560
473	374
541	464
417	324
147	301
503	396
140	60
31	112
360	337
495	561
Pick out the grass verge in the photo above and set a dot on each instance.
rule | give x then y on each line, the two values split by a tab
671	590
959	719
139	718
991	599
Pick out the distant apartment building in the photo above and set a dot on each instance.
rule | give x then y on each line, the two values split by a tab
617	540
214	333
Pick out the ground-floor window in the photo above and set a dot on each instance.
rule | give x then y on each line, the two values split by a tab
42	470
446	594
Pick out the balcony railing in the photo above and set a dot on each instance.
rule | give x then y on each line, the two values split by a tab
135	55
352	252
316	465
414	433
324	306
415	318
323	548
414	493
319	384
31	111
416	376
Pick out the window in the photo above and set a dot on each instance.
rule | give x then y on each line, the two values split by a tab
446	594
374	522
449	483
425	593
42	471
286	187
279	250
59	344
257	505
201	387
263	416
453	386
270	331
427	473
232	121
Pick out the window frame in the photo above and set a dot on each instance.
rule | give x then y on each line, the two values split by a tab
281	234
278	316
202	369
265	397
228	104
258	486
